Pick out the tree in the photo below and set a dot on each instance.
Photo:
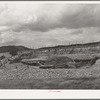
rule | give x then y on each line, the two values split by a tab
13	53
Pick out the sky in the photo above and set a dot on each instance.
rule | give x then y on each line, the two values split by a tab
36	25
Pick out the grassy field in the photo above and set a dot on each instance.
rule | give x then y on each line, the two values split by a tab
51	79
19	76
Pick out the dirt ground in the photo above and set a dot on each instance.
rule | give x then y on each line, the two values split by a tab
64	83
50	78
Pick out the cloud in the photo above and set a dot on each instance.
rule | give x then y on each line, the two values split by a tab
44	24
44	17
51	16
58	36
85	17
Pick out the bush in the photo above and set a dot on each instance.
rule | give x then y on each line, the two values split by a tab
16	60
13	53
2	57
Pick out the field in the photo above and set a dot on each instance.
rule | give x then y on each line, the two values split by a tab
16	75
62	83
51	79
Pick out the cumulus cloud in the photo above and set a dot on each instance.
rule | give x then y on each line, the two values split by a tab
61	16
45	24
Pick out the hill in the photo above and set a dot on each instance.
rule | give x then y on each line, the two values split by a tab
92	44
4	49
93	47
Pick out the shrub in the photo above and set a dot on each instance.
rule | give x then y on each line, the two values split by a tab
2	57
13	53
16	60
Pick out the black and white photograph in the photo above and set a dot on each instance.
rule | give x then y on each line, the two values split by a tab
49	45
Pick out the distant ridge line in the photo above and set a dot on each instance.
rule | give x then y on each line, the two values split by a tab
23	48
10	48
73	45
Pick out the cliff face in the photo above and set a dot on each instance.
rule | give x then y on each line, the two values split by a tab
89	48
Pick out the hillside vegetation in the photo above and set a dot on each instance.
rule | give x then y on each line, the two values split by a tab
60	67
88	48
5	49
